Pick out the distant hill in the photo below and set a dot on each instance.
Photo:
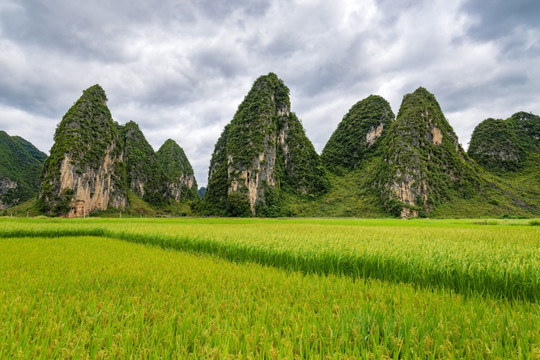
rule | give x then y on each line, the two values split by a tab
202	192
509	152
178	172
20	168
503	146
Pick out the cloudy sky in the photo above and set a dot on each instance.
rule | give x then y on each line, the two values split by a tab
181	68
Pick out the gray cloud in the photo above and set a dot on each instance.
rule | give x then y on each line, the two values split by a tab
494	19
181	68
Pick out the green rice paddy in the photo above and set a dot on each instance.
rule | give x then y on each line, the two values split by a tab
251	288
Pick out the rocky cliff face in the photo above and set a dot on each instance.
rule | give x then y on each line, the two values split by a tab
423	163
504	145
178	172
85	171
93	188
20	167
358	135
7	186
262	151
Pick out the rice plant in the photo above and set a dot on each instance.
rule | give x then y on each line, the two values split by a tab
95	297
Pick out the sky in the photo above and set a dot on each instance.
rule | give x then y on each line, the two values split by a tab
181	68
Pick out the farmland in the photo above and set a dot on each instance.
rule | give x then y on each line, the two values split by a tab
108	288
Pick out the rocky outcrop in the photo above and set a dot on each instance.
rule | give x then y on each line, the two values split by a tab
85	171
92	188
373	134
178	172
263	151
358	135
423	163
7	186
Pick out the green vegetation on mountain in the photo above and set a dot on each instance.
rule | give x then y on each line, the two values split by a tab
415	167
509	151
352	155
20	168
85	132
262	154
177	171
527	127
357	135
405	167
504	145
215	200
303	172
263	164
144	173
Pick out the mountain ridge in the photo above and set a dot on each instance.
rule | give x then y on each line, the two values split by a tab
374	164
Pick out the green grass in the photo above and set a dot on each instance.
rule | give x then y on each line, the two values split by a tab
508	194
27	208
91	297
345	198
499	260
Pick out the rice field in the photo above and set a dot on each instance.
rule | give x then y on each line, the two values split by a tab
250	288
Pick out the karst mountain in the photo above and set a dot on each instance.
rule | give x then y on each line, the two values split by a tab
262	156
96	164
375	164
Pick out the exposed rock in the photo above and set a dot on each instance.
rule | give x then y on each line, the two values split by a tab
182	188
92	187
7	185
373	134
436	136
